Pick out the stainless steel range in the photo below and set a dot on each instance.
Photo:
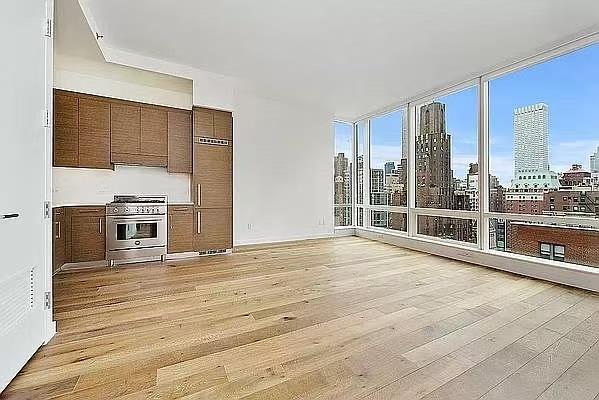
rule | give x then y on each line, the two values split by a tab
136	229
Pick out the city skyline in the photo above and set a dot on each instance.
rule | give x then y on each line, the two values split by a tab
573	122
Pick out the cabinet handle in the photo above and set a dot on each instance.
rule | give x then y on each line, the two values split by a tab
199	222
100	224
57	223
199	194
9	216
170	221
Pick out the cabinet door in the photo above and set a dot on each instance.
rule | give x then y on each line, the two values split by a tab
58	239
94	133
180	142
212	176
203	122
223	125
154	132
66	130
213	229
125	122
180	232
88	240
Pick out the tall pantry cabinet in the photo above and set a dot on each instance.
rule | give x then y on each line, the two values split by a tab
212	181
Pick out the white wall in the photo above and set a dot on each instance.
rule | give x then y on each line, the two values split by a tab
283	160
88	186
76	186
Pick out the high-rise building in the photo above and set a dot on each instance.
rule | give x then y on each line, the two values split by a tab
404	136
378	194
342	190
389	167
594	161
531	138
434	176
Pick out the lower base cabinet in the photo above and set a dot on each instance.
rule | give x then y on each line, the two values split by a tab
213	229
79	235
80	232
180	229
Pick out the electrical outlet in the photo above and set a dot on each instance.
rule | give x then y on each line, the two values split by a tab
249	227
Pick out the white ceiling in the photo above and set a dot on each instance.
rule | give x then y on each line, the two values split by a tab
349	56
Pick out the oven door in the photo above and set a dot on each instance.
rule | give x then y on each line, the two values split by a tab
135	232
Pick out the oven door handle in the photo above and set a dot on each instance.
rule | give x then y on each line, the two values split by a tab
136	220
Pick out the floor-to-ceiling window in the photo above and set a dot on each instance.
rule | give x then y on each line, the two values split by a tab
361	136
342	179
388	171
446	166
507	163
544	159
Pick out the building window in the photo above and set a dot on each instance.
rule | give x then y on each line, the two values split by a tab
552	251
343	174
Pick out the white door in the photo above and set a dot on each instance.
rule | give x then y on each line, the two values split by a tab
24	178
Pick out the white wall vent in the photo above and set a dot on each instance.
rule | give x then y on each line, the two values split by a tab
17	299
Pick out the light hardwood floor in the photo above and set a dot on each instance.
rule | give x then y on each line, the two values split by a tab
331	319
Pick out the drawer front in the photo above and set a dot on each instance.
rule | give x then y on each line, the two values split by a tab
180	209
88	211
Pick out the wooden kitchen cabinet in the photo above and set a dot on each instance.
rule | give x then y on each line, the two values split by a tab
125	134
180	142
81	130
59	236
212	123
180	228
223	125
94	133
203	122
66	129
88	234
154	136
213	176
97	132
213	229
212	180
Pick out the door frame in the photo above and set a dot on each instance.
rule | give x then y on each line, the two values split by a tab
50	325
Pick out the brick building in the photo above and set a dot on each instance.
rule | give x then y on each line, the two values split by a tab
577	245
572	202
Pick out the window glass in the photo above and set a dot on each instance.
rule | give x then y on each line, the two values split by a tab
573	243
343	175
544	137
463	230
396	221
388	159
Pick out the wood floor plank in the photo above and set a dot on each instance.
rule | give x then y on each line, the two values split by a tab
337	318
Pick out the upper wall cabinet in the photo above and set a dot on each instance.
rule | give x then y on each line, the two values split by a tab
66	129
212	123
81	130
125	121
180	139
94	133
139	134
98	132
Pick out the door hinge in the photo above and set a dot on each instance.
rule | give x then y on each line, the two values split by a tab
46	209
46	118
48	30
47	300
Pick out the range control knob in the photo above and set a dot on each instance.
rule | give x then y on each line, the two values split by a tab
116	209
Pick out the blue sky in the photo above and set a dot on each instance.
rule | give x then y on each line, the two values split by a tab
569	85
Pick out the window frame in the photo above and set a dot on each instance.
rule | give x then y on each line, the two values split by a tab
483	216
